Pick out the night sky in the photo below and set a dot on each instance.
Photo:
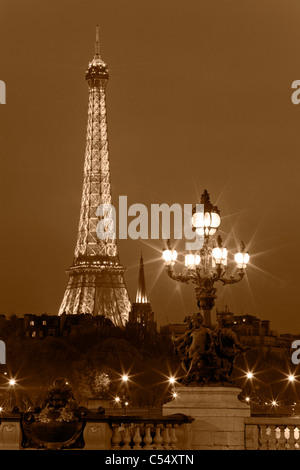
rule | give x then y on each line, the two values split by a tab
199	97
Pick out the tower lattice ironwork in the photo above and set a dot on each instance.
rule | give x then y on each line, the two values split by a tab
96	278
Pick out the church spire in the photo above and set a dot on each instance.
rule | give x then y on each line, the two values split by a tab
141	316
141	295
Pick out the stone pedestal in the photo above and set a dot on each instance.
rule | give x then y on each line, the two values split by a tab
97	436
218	416
10	435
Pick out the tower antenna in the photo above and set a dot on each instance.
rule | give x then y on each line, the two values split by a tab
97	43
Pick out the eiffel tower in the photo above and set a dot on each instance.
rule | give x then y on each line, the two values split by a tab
96	279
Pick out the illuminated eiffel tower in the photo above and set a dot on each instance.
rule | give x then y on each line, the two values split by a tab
96	278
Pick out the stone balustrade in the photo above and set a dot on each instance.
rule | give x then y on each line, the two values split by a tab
268	433
111	432
163	433
139	433
177	431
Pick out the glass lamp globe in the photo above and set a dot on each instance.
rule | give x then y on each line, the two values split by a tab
224	256
242	259
169	256
219	256
192	260
207	221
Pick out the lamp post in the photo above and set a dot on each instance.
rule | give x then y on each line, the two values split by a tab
124	390
208	265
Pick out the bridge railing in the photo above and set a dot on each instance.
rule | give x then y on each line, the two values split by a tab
268	433
139	433
124	432
111	432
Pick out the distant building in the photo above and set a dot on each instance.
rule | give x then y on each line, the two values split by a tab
2	325
40	326
10	326
75	325
257	334
251	331
34	326
173	330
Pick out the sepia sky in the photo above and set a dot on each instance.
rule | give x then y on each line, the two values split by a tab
199	97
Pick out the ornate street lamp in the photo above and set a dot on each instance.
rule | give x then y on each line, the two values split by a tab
208	265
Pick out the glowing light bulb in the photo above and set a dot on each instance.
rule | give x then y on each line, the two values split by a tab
242	259
172	380
291	378
249	375
169	256
125	378
192	260
12	382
